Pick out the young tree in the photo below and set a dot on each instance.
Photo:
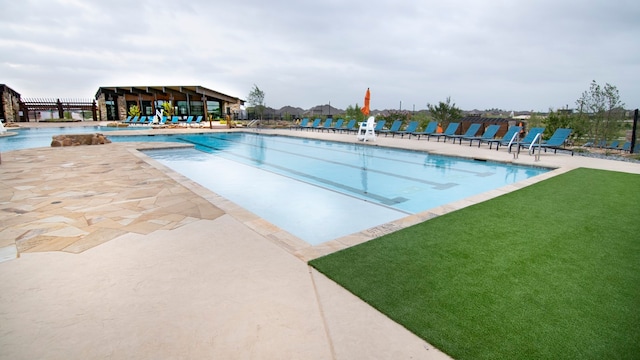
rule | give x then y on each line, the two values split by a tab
353	112
563	119
256	98
535	120
556	120
602	109
445	112
422	119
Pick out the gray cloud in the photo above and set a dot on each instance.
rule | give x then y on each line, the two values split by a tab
526	55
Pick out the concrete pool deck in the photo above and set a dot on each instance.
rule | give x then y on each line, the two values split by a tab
108	254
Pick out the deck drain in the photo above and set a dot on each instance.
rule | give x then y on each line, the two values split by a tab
56	202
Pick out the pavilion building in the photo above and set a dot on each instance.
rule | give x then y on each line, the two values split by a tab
114	102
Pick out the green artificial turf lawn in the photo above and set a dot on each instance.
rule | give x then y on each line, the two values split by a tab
551	271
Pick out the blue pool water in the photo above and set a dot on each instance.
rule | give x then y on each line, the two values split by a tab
28	138
320	190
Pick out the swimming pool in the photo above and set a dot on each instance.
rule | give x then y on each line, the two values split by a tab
321	190
27	138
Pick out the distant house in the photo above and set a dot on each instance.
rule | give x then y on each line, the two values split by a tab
9	104
290	112
114	102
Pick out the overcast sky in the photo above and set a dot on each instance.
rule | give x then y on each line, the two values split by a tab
507	54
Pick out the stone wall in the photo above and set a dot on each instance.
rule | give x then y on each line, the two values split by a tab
79	139
10	106
121	107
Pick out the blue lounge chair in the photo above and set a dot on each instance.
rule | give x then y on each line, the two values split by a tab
626	146
134	120
337	125
127	120
175	120
303	124
394	127
413	125
198	122
326	125
489	133
505	140
528	139
615	145
555	142
314	125
379	126
350	126
471	131
188	122
142	120
162	121
450	130
430	129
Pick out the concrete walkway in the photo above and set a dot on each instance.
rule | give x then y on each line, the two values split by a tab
108	254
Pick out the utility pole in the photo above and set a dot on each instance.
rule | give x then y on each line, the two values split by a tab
633	132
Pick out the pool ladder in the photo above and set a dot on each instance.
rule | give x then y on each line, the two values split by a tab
254	123
537	138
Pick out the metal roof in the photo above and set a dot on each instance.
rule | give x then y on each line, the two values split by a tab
193	90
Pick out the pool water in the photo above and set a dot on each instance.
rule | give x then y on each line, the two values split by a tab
322	190
28	138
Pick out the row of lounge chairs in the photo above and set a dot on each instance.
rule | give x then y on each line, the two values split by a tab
511	138
614	145
626	147
327	125
175	121
351	126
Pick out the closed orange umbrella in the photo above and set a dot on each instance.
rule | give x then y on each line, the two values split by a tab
367	99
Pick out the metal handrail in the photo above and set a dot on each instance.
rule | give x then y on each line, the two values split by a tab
512	141
538	137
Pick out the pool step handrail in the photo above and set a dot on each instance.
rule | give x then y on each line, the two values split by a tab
512	141
538	138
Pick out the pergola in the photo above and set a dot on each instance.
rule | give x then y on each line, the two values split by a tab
58	106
